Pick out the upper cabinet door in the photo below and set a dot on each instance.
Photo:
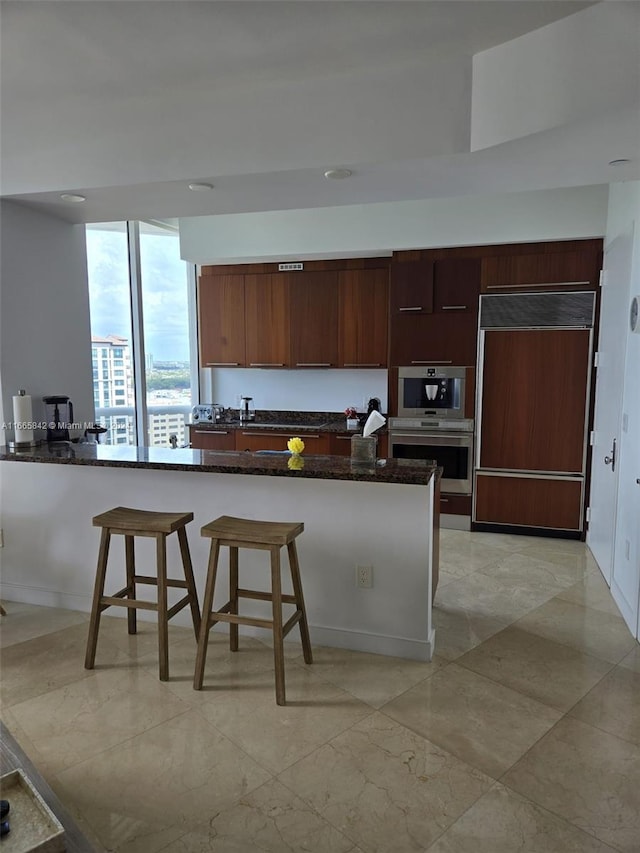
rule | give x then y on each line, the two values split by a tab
363	323
456	285
411	287
545	271
221	320
267	320
313	305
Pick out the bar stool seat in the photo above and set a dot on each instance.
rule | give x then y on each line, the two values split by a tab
130	523
235	533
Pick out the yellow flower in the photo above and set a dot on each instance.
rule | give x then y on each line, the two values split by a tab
295	462
295	445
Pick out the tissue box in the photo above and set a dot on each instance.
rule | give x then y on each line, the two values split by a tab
363	449
34	827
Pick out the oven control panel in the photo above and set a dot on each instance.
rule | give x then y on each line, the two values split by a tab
459	425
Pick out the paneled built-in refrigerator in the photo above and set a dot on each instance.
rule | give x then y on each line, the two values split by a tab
534	360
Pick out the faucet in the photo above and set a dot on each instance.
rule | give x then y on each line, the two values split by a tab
173	440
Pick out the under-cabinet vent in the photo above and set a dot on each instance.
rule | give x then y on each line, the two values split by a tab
289	267
526	310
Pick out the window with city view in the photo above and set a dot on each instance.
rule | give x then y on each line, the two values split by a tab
165	378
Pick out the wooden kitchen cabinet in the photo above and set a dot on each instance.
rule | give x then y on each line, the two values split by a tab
572	270
209	439
363	317
456	285
443	338
248	439
313	319
221	320
555	504
411	284
267	320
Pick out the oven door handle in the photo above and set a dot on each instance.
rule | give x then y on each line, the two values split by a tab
429	436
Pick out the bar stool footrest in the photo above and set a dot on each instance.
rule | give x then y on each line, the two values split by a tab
177	607
173	582
264	596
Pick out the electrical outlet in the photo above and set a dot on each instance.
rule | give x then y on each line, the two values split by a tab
364	577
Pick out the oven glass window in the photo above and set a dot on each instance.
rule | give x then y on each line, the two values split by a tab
454	460
431	393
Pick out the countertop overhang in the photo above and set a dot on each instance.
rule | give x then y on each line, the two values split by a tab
401	471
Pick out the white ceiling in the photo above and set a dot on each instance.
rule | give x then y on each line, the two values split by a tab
126	102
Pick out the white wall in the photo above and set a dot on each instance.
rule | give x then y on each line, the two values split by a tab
45	339
570	70
378	229
624	218
295	390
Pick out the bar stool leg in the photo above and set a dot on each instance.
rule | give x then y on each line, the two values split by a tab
98	592
233	596
131	582
207	607
297	591
278	639
163	622
191	584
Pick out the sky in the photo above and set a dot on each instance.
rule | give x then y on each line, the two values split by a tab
164	289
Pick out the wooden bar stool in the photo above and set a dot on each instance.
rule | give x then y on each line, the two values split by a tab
138	522
269	536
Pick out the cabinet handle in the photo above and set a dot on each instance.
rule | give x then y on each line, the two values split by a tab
444	500
412	308
454	307
211	432
266	364
437	361
343	437
313	364
540	284
362	364
222	364
277	434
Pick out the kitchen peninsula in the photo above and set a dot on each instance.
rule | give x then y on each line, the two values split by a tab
51	547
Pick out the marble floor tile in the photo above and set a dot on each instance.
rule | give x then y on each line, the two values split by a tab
482	595
481	722
591	631
385	787
79	720
277	736
47	662
587	776
549	672
374	679
592	592
578	560
536	571
502	821
614	705
462	558
458	630
632	660
271	819
26	621
168	778
113	633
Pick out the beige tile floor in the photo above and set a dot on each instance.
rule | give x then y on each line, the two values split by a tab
522	735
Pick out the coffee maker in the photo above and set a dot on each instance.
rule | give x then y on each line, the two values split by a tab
59	417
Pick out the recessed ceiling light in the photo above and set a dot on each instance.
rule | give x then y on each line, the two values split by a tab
338	174
200	188
73	197
621	162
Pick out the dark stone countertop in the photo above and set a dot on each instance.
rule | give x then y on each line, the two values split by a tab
404	471
291	421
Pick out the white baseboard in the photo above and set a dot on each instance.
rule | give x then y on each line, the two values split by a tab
358	641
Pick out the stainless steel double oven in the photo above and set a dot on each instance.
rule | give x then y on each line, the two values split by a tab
431	423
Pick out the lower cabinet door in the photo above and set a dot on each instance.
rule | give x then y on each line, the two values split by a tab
553	503
455	504
208	439
262	440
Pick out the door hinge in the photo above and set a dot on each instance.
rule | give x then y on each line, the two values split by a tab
592	437
588	515
596	359
603	278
